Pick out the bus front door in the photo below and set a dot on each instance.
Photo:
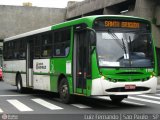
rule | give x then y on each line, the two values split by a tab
81	61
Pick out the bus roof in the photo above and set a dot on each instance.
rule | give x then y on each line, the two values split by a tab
68	23
28	33
91	18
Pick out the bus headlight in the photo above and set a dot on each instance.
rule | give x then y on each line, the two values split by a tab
151	76
102	77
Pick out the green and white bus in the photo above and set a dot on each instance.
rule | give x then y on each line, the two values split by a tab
104	55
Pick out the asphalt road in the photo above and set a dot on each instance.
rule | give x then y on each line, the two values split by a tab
37	105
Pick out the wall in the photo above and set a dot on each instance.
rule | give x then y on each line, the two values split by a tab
87	6
19	19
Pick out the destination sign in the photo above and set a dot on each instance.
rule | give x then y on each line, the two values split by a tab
122	24
136	24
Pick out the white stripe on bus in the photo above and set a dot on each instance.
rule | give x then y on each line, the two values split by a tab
46	104
20	106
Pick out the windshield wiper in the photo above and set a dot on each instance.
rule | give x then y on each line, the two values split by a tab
130	44
124	48
115	37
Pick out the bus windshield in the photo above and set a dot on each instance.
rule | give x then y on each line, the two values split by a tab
122	48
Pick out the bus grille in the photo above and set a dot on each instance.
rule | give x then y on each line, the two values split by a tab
122	89
126	80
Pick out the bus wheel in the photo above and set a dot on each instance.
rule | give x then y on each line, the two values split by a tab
19	84
64	91
117	98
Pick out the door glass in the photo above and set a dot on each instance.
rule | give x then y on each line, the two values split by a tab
82	60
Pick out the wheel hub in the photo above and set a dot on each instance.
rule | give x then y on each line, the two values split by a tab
19	86
64	91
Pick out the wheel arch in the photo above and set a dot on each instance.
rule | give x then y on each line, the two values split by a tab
61	76
18	73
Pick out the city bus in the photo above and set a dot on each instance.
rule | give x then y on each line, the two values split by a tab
104	55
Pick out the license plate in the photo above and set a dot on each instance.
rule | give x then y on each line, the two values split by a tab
130	87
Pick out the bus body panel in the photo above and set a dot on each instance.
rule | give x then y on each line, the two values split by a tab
60	67
41	74
41	82
11	68
15	65
101	85
9	78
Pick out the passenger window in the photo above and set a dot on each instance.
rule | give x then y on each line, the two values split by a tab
62	42
46	45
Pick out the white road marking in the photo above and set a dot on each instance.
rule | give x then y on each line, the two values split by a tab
124	101
147	96
144	100
13	95
134	103
20	106
80	106
47	104
1	111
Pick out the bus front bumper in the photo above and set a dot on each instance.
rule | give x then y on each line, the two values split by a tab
102	86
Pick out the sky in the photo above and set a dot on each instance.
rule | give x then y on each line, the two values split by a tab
38	3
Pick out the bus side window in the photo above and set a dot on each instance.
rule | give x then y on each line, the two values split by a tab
17	49
5	52
10	50
67	50
46	44
37	46
62	42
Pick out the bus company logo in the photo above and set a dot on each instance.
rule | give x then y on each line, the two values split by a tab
40	66
9	117
4	116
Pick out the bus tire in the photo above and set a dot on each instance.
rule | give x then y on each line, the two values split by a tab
65	96
20	88
116	99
